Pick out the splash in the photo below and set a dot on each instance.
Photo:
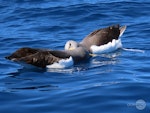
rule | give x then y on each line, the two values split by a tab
109	47
62	63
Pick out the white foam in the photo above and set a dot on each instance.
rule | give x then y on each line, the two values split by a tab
109	47
134	50
62	63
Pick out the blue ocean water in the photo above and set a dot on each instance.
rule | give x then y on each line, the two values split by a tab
117	82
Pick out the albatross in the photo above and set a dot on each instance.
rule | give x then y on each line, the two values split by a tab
99	41
73	53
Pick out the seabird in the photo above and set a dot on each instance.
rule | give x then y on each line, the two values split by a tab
73	53
104	40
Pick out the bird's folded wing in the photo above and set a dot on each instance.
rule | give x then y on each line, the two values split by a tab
38	57
41	59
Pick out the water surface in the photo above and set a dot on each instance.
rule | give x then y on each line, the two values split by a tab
109	83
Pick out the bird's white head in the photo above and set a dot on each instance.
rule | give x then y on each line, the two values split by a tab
71	45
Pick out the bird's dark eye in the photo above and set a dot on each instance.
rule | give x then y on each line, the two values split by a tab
69	44
110	27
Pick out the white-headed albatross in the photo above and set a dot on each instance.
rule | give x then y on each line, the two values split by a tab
100	41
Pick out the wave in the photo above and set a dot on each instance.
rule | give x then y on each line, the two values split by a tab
59	3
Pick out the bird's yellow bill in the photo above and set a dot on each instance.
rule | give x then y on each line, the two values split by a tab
71	48
93	55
